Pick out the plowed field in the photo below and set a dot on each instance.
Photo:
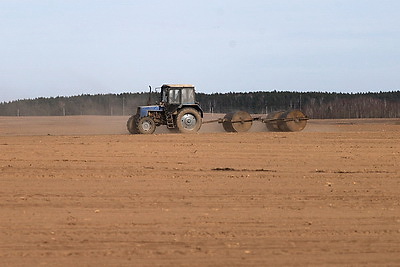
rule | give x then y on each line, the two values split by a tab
81	191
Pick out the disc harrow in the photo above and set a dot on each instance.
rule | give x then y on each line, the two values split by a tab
280	121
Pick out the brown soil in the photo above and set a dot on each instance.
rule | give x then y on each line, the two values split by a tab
81	191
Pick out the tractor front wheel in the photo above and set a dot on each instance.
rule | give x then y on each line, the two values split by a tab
188	120
132	124
146	125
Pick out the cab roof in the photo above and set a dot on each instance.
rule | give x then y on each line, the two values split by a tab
177	85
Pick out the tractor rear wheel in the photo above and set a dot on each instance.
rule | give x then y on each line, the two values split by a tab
188	120
132	124
146	125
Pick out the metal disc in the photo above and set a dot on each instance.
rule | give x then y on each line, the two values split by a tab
292	121
227	123
271	121
240	121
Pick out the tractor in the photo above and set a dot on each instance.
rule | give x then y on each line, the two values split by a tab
177	109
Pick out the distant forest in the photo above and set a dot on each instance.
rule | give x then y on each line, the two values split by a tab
317	105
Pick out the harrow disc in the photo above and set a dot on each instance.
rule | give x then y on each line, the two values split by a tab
292	121
239	121
272	121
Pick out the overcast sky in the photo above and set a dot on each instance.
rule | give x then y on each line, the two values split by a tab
71	47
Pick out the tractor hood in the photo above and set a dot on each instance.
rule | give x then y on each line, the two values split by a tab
144	110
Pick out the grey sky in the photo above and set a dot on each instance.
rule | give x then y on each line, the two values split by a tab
62	48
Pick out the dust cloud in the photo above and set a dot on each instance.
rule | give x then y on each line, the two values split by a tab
109	125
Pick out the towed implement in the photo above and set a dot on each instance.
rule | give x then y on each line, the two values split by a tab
178	110
281	121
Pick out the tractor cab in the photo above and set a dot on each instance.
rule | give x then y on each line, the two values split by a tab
177	95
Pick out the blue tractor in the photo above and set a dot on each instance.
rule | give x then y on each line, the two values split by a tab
177	109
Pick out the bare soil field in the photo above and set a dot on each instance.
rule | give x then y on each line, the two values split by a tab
82	191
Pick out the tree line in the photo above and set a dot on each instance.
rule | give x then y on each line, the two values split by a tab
318	105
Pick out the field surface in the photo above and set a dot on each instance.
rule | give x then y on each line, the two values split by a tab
81	191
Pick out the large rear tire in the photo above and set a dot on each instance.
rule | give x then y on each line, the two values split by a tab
146	125
188	120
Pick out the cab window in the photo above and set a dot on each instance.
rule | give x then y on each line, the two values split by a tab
174	96
163	96
187	95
